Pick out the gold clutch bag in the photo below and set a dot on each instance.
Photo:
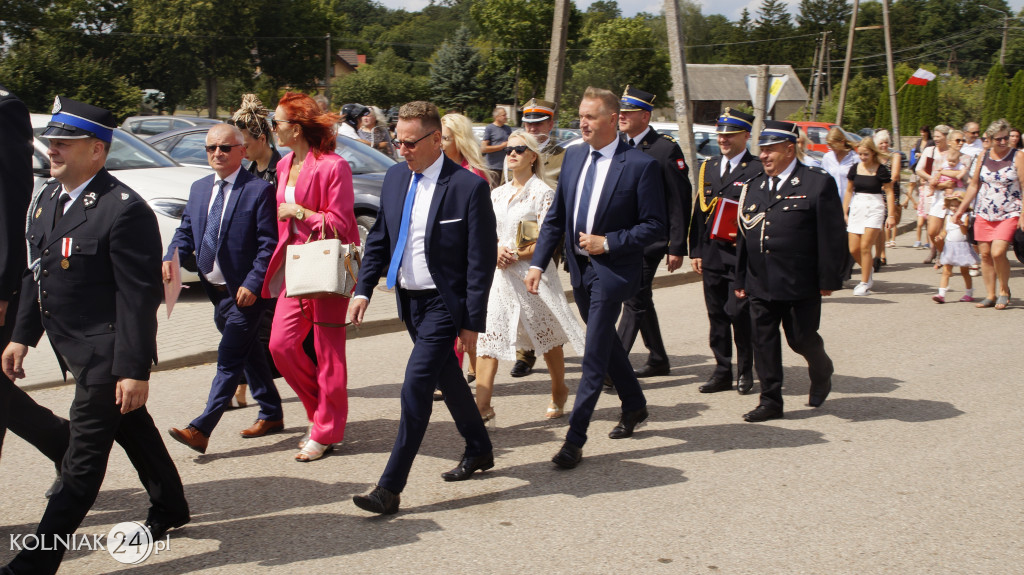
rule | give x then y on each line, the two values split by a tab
527	233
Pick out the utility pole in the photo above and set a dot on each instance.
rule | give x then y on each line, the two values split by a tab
892	79
556	57
813	80
680	83
846	64
760	103
328	69
1002	49
820	64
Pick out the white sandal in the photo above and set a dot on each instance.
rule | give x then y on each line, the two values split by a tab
305	438
313	451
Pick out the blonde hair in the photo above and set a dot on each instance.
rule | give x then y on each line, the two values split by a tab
837	136
869	144
531	142
999	125
882	136
466	143
252	117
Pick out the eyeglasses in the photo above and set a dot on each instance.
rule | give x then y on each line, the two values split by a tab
446	138
519	150
274	123
959	140
223	147
1001	139
411	145
975	132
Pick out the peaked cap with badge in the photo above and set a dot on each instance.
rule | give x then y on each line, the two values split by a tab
733	121
538	110
634	100
74	120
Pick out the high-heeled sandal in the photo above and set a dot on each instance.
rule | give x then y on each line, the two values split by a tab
489	418
554	411
239	397
313	451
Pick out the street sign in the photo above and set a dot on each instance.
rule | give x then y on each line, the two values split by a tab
776	82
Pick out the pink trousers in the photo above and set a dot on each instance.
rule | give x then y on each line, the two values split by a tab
322	387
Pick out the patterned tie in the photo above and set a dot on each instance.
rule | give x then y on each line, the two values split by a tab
403	232
61	201
584	207
208	251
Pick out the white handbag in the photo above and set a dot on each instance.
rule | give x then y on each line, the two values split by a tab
324	268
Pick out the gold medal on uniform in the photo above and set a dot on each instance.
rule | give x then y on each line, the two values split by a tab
65	250
65	264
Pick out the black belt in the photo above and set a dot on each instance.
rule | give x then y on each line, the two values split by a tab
221	288
420	293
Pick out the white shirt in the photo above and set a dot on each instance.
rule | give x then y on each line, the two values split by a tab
348	131
603	163
637	138
840	171
216	277
414	273
784	175
734	161
74	193
973	149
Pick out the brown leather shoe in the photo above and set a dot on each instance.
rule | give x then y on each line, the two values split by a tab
262	427
191	437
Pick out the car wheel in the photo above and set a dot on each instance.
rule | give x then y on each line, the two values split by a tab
364	223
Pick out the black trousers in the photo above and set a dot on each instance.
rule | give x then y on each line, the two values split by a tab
96	422
22	415
729	320
639	316
431	364
800	320
602	355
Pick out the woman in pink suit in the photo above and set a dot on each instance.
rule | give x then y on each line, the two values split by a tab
314	192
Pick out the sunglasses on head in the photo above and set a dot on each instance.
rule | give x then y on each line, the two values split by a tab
226	148
519	150
410	145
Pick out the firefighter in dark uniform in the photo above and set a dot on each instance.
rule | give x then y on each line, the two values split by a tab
94	287
638	314
19	412
721	178
791	253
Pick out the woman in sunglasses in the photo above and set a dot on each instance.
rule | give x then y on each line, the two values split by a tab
996	192
315	196
515	318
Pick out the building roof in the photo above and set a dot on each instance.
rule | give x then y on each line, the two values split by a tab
727	82
351	57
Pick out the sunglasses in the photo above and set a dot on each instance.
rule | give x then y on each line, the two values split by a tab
519	150
222	147
959	140
1001	139
411	145
274	123
976	132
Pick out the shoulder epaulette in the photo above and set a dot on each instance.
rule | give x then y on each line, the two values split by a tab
669	138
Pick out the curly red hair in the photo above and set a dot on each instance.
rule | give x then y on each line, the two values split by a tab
318	127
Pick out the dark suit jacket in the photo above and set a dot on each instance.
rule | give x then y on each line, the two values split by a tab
630	213
248	230
461	241
716	255
805	246
678	191
15	190
100	312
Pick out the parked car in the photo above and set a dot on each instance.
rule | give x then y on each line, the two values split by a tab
143	126
816	132
161	181
188	146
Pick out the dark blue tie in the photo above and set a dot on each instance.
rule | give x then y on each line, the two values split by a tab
403	232
584	207
208	251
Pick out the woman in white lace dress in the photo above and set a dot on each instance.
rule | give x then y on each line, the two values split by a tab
516	318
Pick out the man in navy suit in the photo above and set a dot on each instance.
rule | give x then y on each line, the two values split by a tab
229	225
435	240
610	204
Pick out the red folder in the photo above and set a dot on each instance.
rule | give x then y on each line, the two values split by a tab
724	224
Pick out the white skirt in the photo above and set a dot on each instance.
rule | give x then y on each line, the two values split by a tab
866	211
938	209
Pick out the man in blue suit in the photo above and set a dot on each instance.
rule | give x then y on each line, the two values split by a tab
435	239
229	225
610	204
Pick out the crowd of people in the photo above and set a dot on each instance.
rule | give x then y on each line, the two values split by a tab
468	237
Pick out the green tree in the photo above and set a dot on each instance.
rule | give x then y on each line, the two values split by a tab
384	84
995	83
773	23
519	32
1015	111
453	74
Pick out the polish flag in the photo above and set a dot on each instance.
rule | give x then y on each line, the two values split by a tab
921	77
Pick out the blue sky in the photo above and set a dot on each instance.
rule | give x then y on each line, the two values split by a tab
729	8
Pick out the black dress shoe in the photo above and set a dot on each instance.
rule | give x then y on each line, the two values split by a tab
762	413
716	384
568	457
628	422
607	385
652	370
438	395
818	395
158	527
53	487
379	501
468	465
745	383
521	369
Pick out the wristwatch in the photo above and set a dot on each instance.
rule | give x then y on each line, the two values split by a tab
300	213
605	245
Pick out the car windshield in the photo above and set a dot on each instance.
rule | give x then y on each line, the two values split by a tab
706	144
128	153
361	158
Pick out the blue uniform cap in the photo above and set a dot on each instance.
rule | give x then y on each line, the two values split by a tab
75	120
776	132
733	121
634	100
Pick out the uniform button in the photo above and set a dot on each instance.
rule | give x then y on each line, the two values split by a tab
46	314
45	295
110	326
78	248
767	251
767	223
32	237
46	252
767	237
46	273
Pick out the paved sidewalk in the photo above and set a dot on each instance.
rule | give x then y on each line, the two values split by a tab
912	466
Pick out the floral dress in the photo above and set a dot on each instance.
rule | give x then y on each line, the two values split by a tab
1000	195
515	317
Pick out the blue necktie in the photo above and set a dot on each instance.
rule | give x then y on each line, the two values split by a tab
208	251
588	190
403	232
